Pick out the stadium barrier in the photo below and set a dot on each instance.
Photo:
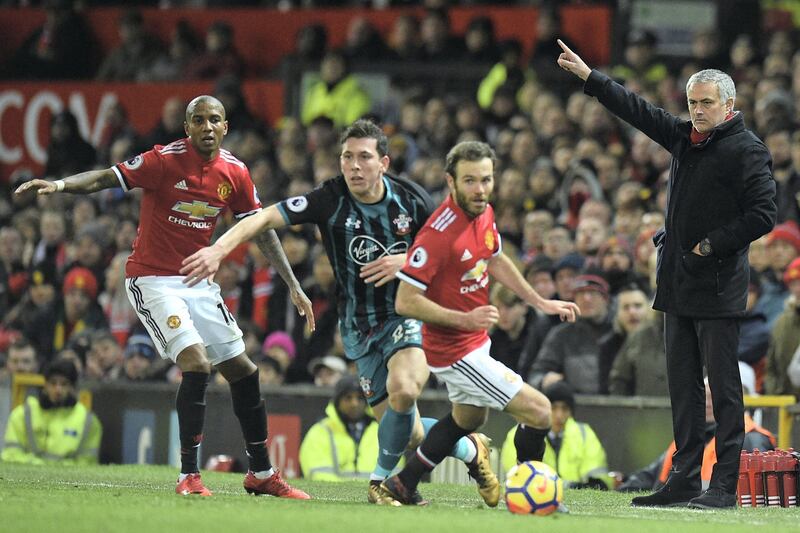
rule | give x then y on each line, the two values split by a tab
140	423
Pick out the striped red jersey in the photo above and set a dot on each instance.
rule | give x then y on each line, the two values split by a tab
183	197
449	260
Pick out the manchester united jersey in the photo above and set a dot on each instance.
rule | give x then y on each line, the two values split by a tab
450	262
183	197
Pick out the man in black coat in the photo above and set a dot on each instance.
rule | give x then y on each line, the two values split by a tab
721	197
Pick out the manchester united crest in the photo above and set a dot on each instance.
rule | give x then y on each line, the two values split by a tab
224	190
402	224
174	322
489	239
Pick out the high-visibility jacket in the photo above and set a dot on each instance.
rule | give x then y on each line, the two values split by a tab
67	435
343	103
329	453
580	457
710	453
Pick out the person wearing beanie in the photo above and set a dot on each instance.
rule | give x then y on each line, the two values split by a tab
721	197
64	431
140	356
281	347
782	246
785	339
572	449
342	446
80	311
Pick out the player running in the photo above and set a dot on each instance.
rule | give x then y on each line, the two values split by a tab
445	284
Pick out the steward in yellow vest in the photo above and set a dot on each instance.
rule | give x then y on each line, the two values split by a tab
53	427
343	445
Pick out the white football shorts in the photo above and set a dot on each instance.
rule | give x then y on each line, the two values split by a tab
480	380
174	314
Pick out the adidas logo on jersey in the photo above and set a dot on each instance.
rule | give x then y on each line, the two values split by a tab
467	256
181	186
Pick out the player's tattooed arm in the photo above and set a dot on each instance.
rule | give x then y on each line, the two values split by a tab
270	245
83	183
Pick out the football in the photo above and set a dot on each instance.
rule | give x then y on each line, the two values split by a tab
533	487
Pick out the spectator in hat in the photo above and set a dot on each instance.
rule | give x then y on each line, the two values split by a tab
565	271
35	314
641	64
571	351
63	430
785	338
327	370
280	346
572	448
343	445
80	310
140	354
783	246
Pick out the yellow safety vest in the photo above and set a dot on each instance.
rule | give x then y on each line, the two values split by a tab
329	453
65	434
581	455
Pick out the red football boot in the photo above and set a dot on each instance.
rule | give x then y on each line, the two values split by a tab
274	486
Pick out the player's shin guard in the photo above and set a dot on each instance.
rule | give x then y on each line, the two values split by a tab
191	406
249	407
529	443
437	445
464	450
394	432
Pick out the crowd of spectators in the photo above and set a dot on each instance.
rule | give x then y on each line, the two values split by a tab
579	195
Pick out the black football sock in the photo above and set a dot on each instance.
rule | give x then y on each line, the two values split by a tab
250	409
529	443
437	445
190	404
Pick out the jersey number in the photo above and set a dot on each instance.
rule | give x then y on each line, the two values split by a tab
225	313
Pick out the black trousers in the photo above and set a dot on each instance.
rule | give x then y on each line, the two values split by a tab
691	343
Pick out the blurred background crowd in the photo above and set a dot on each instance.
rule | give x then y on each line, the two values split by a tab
578	193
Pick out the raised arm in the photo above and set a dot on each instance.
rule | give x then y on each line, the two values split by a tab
412	302
503	270
83	183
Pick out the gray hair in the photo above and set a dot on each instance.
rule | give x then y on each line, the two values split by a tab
727	90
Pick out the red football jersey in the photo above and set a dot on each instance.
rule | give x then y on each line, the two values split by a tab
449	261
183	197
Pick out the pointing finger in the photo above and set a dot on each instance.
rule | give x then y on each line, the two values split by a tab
564	46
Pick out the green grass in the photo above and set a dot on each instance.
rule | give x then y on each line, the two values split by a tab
140	499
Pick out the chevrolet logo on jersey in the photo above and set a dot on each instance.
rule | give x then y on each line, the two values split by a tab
197	210
479	274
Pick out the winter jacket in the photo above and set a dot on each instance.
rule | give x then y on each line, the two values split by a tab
640	368
580	456
330	453
782	345
721	189
67	435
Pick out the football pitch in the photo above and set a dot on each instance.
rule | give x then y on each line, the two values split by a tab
141	499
